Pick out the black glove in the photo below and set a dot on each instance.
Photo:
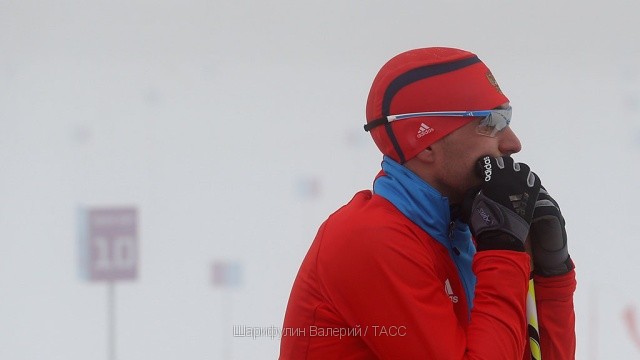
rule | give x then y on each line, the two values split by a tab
499	212
549	238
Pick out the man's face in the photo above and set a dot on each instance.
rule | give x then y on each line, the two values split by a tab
456	156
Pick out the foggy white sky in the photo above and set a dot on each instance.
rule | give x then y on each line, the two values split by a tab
218	119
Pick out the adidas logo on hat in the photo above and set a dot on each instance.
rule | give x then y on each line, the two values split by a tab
424	130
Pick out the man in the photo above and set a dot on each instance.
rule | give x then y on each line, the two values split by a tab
396	273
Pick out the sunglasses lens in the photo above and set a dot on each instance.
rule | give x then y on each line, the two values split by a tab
494	122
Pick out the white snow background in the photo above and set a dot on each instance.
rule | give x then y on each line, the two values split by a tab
235	128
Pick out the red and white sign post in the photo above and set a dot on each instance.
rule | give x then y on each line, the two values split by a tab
109	253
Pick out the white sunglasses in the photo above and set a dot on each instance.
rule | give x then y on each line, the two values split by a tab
493	121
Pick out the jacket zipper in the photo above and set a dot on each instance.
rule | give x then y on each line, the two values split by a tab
452	226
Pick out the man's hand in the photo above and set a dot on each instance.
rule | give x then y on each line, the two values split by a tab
499	213
549	238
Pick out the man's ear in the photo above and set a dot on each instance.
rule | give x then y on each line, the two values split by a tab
427	155
421	163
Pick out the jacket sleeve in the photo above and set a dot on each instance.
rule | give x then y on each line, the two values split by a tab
556	317
387	278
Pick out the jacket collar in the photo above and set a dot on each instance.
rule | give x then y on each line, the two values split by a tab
415	198
427	208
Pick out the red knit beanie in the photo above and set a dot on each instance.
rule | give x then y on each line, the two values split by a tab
424	80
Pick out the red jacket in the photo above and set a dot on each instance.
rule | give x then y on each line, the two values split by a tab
374	285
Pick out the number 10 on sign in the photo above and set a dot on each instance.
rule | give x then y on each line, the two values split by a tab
109	243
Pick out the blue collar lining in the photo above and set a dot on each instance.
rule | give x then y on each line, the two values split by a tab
427	208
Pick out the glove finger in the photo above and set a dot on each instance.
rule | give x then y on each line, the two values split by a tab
524	171
544	194
486	165
542	211
527	202
546	205
533	180
505	162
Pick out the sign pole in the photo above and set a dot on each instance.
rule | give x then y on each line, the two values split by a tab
226	324
109	253
111	320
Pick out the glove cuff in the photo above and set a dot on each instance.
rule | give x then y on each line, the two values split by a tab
489	216
561	269
497	240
